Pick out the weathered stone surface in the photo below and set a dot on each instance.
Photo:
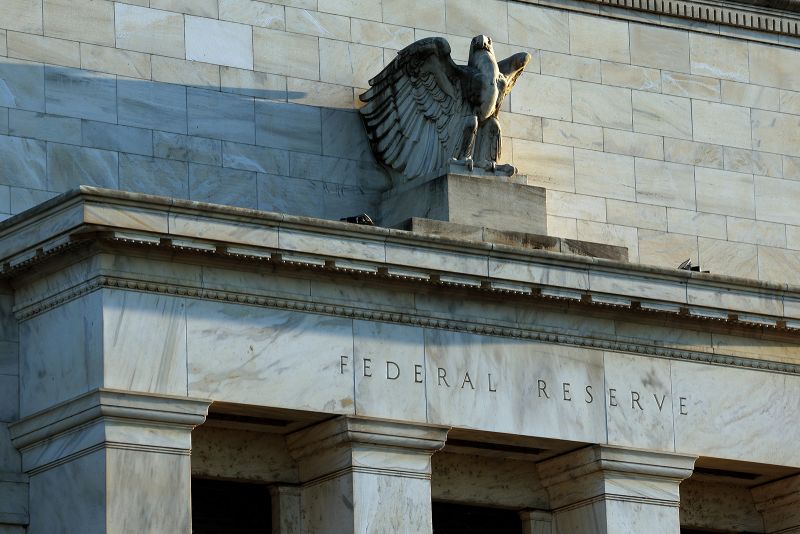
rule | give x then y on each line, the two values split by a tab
224	116
152	105
149	30
219	42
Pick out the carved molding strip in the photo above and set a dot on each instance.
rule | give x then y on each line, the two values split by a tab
727	14
352	312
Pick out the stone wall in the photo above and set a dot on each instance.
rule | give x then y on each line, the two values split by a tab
657	134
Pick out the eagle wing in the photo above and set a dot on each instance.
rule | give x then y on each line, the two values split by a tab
510	70
414	108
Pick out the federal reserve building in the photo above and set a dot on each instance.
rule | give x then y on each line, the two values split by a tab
399	266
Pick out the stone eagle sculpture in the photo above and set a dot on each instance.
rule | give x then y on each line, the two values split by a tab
424	112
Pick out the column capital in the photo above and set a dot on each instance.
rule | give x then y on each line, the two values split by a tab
107	418
361	443
601	471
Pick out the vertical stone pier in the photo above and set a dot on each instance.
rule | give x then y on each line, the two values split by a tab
366	476
608	490
110	462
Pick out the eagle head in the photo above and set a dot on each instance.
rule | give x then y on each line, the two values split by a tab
481	42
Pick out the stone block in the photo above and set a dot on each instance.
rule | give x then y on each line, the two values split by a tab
45	127
750	96
348	64
219	42
572	134
660	48
476	17
284	53
690	85
767	164
533	26
665	184
313	198
631	76
521	126
22	16
757	232
311	93
255	158
43	49
657	114
318	24
471	200
792	237
3	44
779	265
117	137
563	227
115	61
789	102
721	124
151	31
725	192
21	84
23	198
774	66
667	250
222	186
225	116
425	14
253	83
372	33
636	215
187	148
542	96
601	105
254	13
4	121
182	72
365	9
343	135
570	205
776	200
696	223
604	175
611	234
152	105
545	165
71	166
600	38
691	153
288	126
23	162
88	21
154	176
573	67
633	144
776	132
201	8
719	57
82	94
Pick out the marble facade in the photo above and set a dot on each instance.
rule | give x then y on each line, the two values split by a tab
386	370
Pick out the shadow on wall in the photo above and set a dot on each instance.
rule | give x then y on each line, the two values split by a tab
246	145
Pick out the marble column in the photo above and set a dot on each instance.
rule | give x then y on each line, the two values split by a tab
366	476
536	522
779	505
110	462
609	490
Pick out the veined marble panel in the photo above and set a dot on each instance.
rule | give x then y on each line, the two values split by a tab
144	342
641	413
270	357
57	364
736	414
506	385
223	230
538	274
389	370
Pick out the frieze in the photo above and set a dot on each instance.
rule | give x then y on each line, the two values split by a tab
545	390
102	282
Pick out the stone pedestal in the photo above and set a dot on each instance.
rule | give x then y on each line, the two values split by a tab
110	462
366	476
491	201
779	505
606	490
